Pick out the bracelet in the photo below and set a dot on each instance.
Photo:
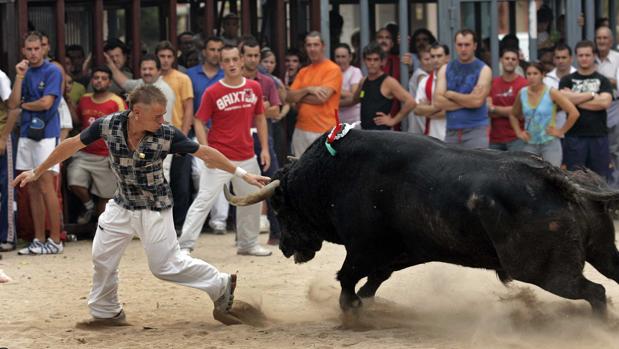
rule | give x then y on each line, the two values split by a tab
19	76
239	172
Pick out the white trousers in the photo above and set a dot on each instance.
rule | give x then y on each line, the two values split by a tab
116	228
219	212
211	185
301	140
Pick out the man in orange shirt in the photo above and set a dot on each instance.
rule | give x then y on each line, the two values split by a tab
316	91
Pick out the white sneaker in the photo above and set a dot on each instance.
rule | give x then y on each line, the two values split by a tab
218	228
26	250
49	247
255	250
85	217
265	225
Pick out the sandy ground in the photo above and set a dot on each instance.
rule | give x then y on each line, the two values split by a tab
430	306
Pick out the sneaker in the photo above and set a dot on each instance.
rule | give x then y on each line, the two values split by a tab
218	228
224	303
6	247
49	247
265	225
255	250
26	250
85	217
119	320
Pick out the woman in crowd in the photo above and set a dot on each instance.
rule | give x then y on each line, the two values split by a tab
536	107
351	78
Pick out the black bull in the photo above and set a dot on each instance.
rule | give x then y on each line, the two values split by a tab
397	200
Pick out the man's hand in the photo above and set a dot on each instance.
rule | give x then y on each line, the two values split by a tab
108	60
25	178
524	135
407	58
257	180
265	159
383	119
2	145
22	67
320	92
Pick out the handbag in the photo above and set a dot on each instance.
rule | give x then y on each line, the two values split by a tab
36	130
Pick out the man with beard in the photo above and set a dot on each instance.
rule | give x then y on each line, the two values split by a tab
503	94
392	61
150	70
89	171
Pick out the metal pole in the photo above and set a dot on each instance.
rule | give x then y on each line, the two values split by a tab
98	32
573	9
612	10
324	26
136	47
365	29
60	32
590	20
494	36
172	22
450	12
403	21
533	31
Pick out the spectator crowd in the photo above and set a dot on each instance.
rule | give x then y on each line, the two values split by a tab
226	91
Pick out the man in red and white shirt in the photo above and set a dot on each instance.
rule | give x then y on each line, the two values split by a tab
433	118
89	171
232	105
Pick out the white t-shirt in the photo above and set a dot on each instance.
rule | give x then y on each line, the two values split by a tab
5	86
170	96
416	124
438	127
552	81
65	114
350	77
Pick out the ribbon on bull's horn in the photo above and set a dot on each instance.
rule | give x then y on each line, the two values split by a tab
338	132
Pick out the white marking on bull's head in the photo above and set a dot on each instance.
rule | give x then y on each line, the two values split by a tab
471	203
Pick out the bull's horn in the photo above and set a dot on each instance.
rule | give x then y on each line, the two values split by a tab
262	194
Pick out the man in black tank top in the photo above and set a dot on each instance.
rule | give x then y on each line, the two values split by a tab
377	91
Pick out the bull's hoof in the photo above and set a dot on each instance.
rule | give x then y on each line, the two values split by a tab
348	303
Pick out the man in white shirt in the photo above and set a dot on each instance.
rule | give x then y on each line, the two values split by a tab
607	62
563	66
433	118
150	70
